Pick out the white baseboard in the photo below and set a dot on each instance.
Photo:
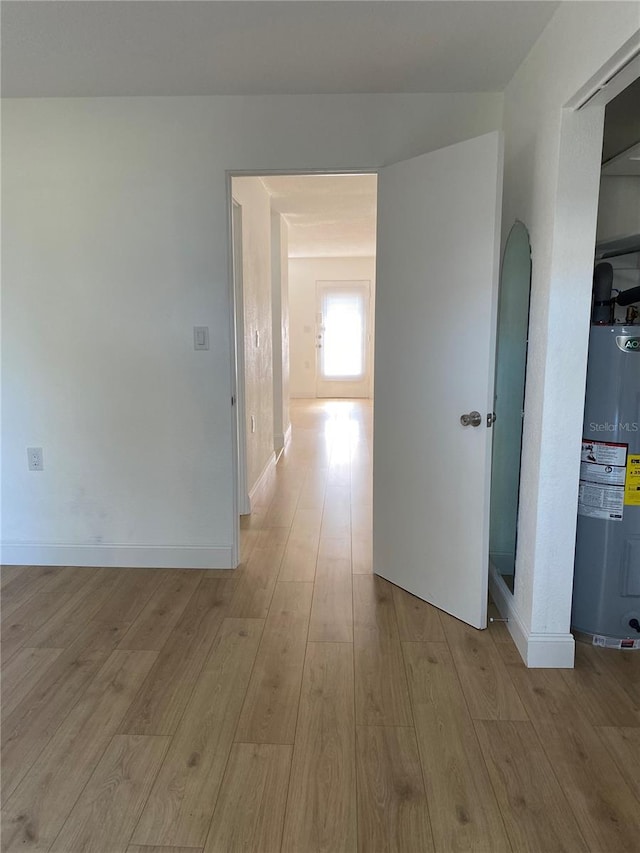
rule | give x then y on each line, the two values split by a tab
262	480
117	556
551	651
538	651
280	443
281	440
301	395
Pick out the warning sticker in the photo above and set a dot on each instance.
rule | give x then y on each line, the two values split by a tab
604	453
632	484
614	642
603	474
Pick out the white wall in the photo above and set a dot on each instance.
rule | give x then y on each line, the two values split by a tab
256	296
619	207
115	244
280	328
551	183
303	275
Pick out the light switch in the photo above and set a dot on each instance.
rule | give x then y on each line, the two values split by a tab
201	337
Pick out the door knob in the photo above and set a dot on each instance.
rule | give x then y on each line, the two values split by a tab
472	419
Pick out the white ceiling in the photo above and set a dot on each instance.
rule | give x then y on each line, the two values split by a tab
178	47
327	216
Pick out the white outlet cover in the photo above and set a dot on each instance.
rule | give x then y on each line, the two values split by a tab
35	460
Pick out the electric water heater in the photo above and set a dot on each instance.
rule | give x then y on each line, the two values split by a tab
606	591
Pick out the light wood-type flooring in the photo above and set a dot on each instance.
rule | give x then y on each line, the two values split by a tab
300	703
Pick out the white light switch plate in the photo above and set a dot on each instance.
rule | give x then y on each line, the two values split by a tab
201	337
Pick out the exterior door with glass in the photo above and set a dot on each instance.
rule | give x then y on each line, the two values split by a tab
343	340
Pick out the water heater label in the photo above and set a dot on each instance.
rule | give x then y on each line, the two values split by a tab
632	485
614	642
628	343
603	472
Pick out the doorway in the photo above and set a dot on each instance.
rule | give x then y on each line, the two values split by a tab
296	239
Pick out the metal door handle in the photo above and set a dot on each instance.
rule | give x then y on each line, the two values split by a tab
472	419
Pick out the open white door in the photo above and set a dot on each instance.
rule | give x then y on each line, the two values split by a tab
437	280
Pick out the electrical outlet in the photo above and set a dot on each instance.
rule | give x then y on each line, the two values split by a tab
34	458
253	424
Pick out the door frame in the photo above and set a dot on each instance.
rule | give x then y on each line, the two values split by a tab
236	338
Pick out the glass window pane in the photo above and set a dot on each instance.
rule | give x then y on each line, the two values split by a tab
343	337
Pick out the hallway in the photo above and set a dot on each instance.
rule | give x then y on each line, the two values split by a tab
300	703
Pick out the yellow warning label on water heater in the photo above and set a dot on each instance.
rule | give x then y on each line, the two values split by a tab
632	482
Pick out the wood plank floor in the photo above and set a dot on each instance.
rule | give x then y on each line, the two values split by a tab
299	703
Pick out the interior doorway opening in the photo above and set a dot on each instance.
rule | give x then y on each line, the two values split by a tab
303	263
